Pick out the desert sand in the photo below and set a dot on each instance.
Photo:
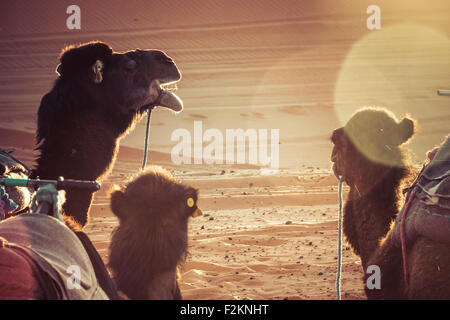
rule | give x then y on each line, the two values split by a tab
260	237
299	66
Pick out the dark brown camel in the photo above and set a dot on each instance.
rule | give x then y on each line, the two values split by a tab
369	156
150	242
99	96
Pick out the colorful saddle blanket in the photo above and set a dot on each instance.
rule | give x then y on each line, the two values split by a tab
56	252
429	211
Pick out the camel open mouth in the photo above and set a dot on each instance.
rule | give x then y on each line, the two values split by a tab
163	94
170	86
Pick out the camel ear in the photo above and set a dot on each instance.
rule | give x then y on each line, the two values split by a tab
97	72
119	203
406	129
85	59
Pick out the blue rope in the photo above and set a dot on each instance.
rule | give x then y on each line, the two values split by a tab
147	131
339	268
4	196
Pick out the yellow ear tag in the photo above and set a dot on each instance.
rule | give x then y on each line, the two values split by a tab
190	203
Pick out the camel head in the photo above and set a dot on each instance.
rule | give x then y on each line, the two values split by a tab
21	196
369	145
151	239
121	82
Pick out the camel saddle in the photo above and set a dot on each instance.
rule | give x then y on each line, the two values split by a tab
39	254
55	264
428	214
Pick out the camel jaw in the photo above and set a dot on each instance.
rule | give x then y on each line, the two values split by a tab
335	171
163	94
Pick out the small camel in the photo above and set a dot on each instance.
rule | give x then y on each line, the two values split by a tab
150	242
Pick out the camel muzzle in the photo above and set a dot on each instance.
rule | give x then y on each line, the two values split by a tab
163	95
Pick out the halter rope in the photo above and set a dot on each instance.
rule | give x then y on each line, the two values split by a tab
147	132
12	206
339	266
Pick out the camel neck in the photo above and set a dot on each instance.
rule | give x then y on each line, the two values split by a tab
367	217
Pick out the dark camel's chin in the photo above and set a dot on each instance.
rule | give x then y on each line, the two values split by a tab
336	166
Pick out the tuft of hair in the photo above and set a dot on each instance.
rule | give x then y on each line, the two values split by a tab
72	223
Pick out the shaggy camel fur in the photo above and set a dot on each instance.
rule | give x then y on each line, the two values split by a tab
99	96
150	242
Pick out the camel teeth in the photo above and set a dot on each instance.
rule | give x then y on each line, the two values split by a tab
172	87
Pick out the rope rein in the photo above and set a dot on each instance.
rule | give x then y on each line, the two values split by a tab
402	239
147	133
5	197
339	265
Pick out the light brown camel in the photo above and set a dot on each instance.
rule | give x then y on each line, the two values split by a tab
369	156
150	242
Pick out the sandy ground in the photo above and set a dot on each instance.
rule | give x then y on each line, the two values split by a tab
299	66
260	237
